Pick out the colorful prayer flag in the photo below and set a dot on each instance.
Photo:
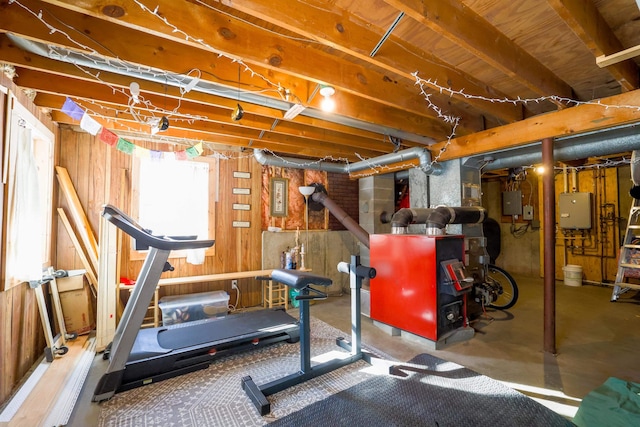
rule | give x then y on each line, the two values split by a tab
108	137
72	109
89	124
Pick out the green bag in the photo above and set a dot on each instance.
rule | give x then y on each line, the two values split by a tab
616	403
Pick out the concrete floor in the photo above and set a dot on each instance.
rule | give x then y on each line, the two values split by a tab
595	340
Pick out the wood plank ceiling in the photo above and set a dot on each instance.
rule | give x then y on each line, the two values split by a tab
492	73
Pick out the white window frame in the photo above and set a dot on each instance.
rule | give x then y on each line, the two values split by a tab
210	206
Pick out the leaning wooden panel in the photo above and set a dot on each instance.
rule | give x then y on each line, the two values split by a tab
78	215
91	274
108	285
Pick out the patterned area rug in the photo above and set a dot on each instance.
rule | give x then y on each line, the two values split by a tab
214	396
426	391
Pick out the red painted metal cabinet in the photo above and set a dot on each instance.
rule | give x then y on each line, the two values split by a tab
410	291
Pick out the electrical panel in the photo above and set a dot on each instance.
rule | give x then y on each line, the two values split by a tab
512	202
575	210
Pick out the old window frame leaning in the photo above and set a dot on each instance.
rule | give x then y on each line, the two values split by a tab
22	126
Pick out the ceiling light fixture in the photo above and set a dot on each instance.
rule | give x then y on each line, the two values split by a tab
294	111
327	104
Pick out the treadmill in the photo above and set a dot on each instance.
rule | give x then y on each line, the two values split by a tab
142	356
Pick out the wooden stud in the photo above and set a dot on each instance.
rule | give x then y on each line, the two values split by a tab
78	215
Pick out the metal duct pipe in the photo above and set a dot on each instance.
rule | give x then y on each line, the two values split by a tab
594	144
291	162
211	88
351	225
405	216
436	219
422	154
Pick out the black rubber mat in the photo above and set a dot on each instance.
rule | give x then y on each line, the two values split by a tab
427	391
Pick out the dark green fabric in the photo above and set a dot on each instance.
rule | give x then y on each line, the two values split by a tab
616	403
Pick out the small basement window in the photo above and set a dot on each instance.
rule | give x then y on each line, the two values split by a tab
171	198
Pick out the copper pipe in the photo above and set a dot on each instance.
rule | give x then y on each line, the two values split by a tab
549	213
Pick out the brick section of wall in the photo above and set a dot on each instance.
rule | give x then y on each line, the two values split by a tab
344	192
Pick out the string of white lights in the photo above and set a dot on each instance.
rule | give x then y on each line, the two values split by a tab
117	64
453	120
187	37
309	163
253	24
518	100
98	59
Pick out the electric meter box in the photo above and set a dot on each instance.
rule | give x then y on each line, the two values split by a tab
512	202
575	210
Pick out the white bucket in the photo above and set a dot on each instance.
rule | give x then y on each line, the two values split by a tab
572	275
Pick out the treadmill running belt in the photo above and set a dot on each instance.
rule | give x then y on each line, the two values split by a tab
224	329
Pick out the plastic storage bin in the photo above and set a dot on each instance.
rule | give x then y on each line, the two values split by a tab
190	307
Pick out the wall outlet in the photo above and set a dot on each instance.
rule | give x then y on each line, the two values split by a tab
234	284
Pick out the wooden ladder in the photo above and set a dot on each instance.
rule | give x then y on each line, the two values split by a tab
629	261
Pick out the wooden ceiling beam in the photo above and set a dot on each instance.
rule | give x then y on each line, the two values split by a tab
160	95
178	58
231	37
458	23
340	30
596	115
19	58
588	24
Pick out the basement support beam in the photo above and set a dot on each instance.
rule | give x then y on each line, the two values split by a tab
549	209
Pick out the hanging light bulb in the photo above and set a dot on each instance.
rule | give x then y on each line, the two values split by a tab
327	104
134	88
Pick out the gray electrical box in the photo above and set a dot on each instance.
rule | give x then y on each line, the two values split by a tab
512	203
575	210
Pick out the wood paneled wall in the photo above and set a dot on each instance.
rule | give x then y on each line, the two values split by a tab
102	174
21	335
596	249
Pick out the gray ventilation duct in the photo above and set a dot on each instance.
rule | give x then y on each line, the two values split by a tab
422	154
601	143
157	76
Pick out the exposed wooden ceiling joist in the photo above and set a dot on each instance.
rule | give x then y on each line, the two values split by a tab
470	31
268	51
570	121
334	27
498	69
585	20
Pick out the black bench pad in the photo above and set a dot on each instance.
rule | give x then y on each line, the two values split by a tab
299	279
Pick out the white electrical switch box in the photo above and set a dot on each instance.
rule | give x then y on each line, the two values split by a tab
527	212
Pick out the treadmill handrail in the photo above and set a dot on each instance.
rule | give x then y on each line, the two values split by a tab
133	229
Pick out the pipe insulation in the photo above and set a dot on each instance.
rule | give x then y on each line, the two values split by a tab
360	233
422	154
437	218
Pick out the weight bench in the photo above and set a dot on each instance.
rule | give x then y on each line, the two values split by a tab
302	281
